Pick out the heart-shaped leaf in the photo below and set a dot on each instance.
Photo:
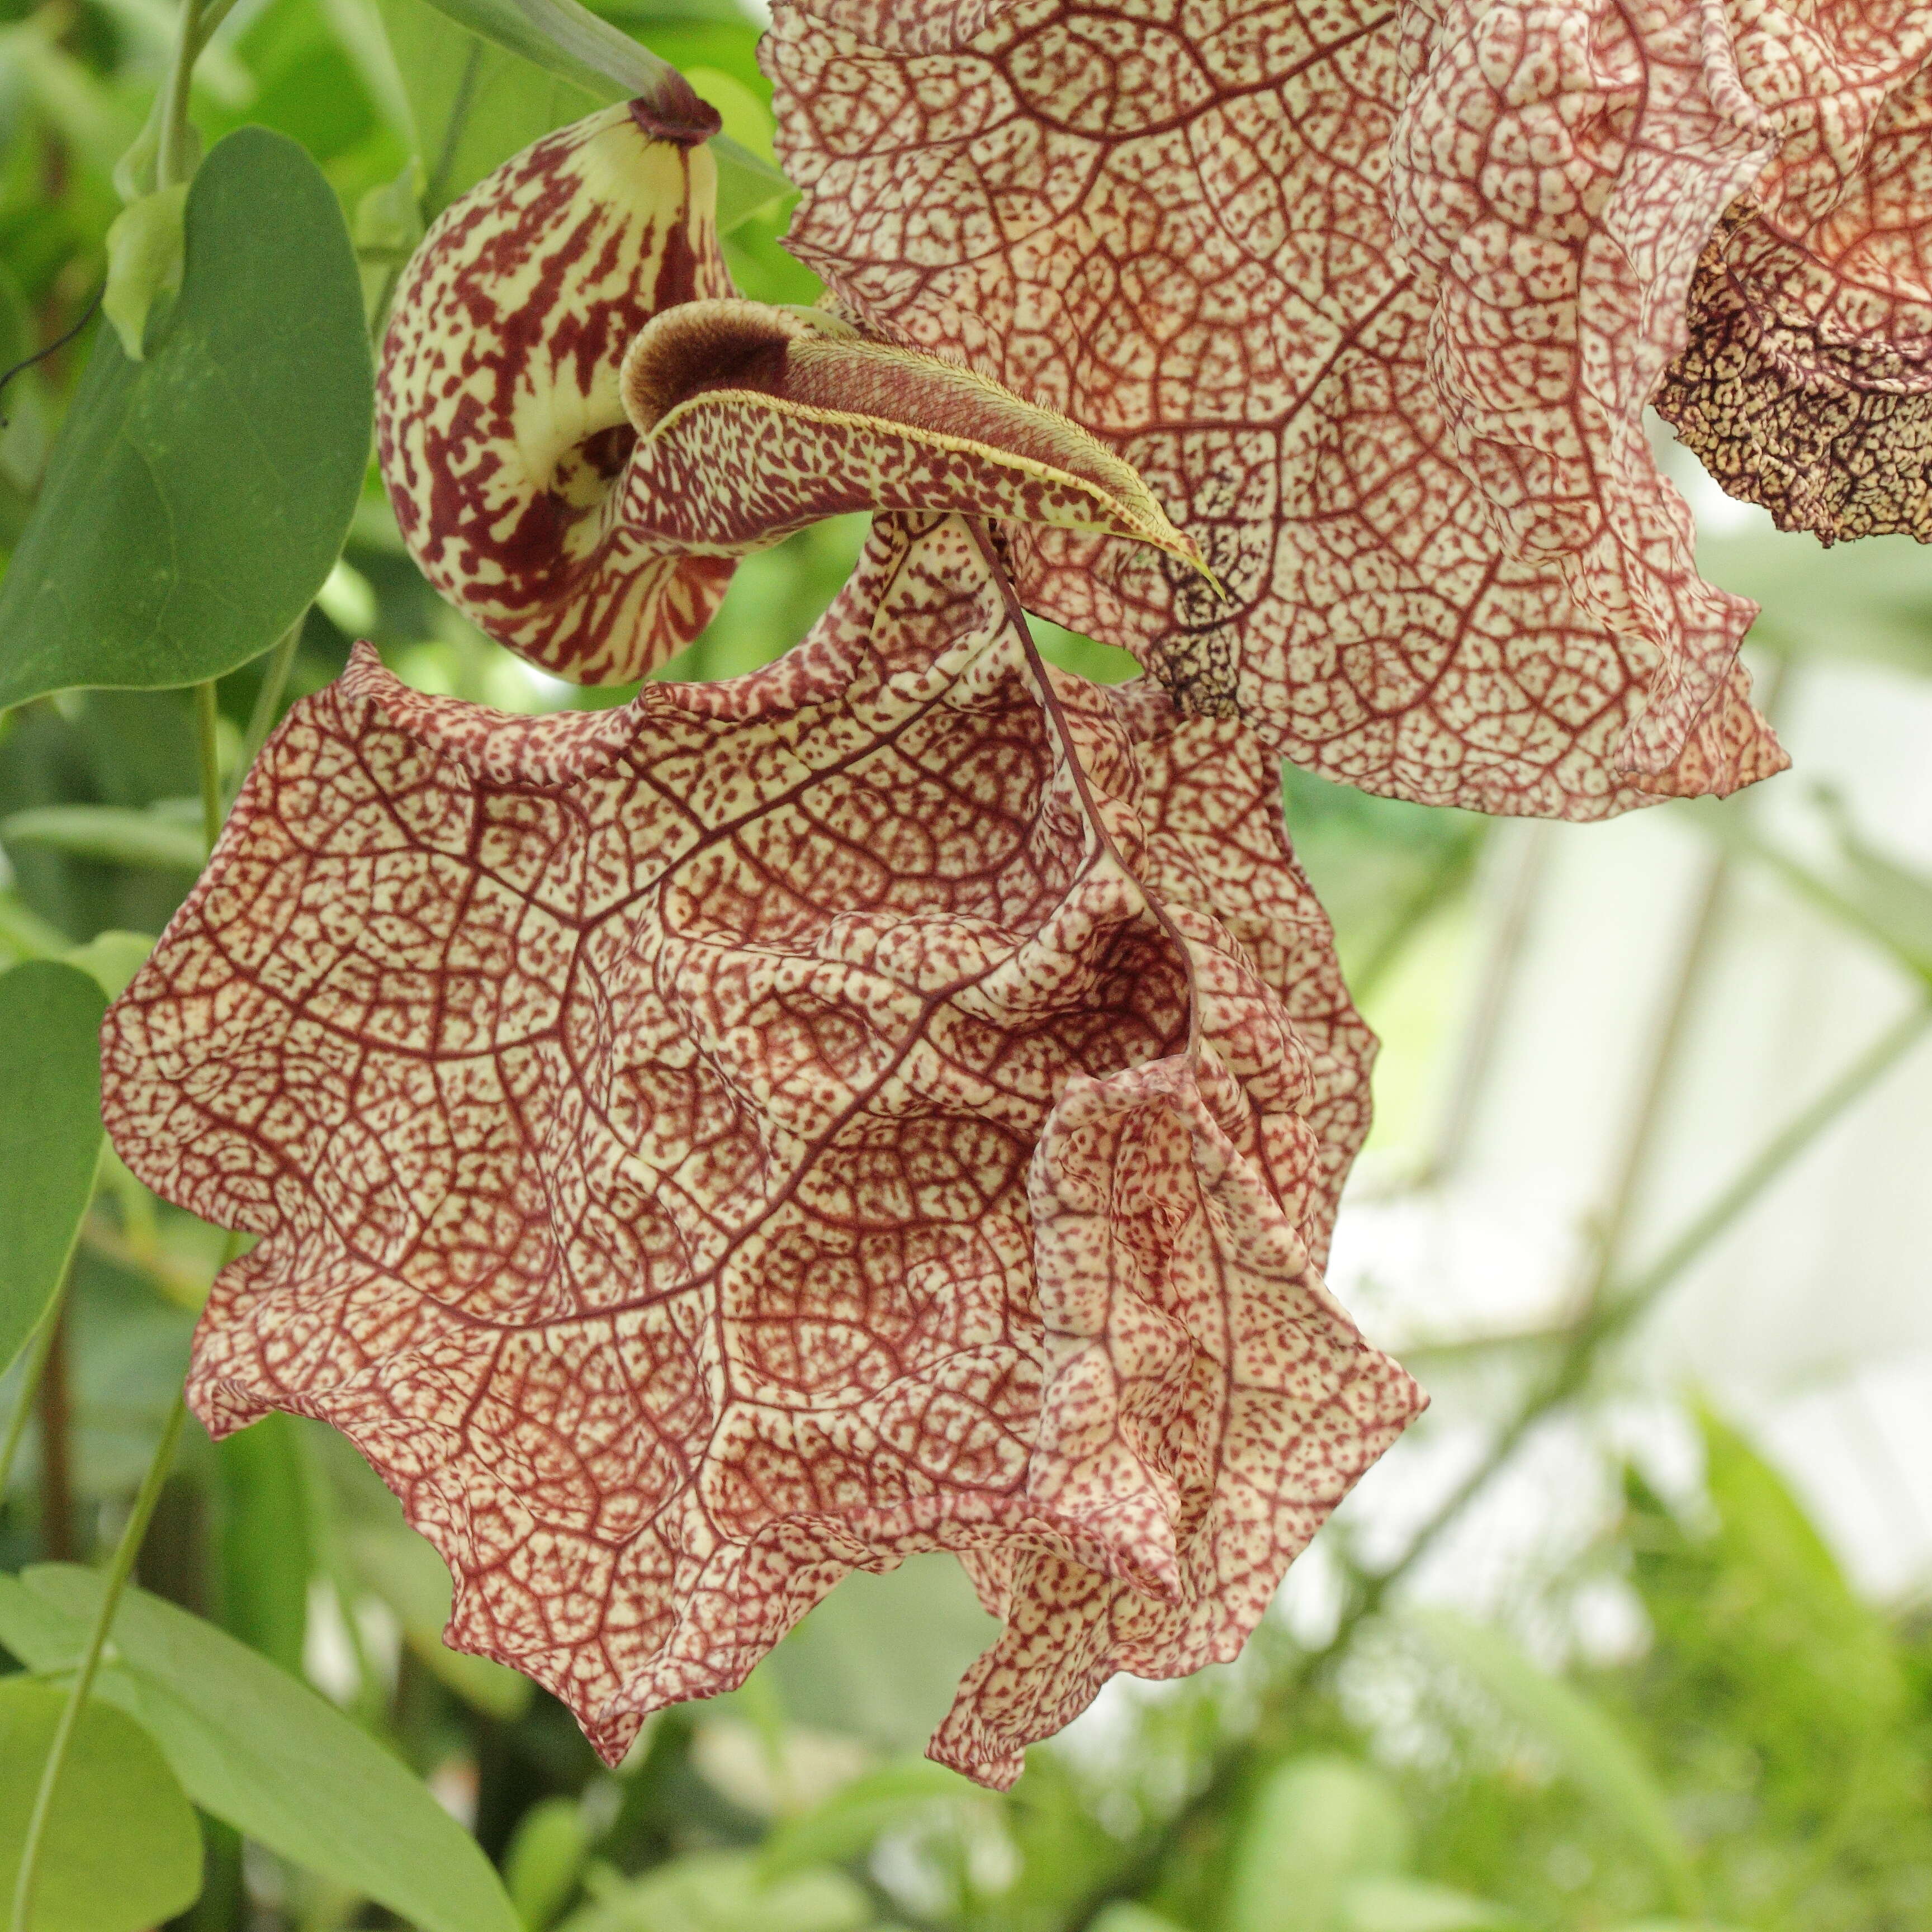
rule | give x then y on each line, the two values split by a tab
122	1850
197	499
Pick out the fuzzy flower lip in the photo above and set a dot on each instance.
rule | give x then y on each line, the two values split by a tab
816	421
894	1102
1374	296
583	427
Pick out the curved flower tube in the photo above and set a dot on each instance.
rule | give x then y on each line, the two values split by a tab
581	428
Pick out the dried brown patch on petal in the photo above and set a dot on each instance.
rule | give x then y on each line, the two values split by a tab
682	1138
1453	575
1806	382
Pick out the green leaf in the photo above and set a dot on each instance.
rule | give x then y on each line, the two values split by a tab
1123	1915
111	958
1411	1905
196	500
857	1815
257	1748
144	263
721	1891
266	1553
1317	1825
122	1850
544	1855
159	837
603	62
1593	1753
405	1572
49	1134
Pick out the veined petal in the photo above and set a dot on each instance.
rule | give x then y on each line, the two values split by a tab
893	1102
1372	295
1805	381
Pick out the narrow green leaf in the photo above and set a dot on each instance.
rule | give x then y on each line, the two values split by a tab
285	1767
167	840
122	1850
49	1134
266	1552
196	500
603	62
1593	1753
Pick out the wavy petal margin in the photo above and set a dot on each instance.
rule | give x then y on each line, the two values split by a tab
704	1147
1806	385
1373	296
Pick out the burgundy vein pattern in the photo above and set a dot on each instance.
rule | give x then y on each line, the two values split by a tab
498	421
1806	382
1373	295
880	1105
582	430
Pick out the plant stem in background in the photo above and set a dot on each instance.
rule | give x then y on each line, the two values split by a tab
268	700
56	1416
89	1664
208	747
30	1372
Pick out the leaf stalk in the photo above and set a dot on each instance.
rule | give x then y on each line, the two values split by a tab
118	1571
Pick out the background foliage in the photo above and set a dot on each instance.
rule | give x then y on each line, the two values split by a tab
277	1737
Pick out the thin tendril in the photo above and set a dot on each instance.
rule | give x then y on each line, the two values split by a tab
54	347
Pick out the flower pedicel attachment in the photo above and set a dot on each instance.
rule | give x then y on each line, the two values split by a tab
893	1102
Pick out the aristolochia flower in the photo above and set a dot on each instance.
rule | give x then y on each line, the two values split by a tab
1374	294
896	1101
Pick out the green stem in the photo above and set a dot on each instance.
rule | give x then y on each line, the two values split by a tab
269	699
207	744
172	160
118	1571
1770	1160
36	1363
34	1368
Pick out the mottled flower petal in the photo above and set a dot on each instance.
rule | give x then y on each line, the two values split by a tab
498	417
893	1102
1412	453
1806	385
581	430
